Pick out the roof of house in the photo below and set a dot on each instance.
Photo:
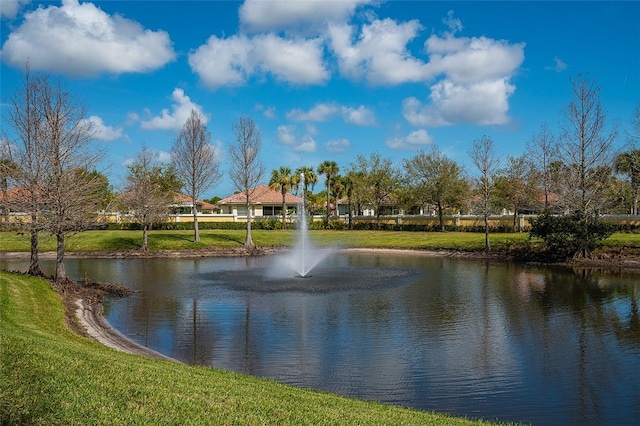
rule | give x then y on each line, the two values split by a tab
261	195
186	200
18	194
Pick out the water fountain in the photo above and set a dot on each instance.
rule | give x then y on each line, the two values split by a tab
283	272
304	256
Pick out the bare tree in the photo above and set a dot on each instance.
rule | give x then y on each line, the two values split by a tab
542	151
70	192
484	157
23	115
246	169
195	162
586	149
147	195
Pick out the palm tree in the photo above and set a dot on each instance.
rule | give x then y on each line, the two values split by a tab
310	179
329	169
282	180
628	163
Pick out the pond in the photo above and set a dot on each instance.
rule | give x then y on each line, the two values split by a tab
492	340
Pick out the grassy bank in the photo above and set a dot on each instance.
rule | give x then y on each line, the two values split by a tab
182	240
50	375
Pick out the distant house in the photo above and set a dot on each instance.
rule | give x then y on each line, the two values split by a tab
387	207
263	201
182	204
15	198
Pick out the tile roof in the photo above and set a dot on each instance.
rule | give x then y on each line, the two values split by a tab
262	195
185	199
18	194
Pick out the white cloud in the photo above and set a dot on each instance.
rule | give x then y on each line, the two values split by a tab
156	156
306	144
454	24
295	61
232	61
558	65
9	8
380	54
337	146
223	61
163	157
104	132
470	77
287	136
301	15
320	112
471	60
414	140
482	103
269	112
81	39
361	116
174	119
472	80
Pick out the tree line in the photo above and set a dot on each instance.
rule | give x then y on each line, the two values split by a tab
53	165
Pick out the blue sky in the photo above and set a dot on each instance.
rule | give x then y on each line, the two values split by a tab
325	80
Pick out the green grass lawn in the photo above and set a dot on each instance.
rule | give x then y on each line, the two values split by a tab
181	240
50	375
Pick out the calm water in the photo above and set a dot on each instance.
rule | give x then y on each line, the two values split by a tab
483	340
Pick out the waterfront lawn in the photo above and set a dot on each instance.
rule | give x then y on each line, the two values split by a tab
111	240
50	375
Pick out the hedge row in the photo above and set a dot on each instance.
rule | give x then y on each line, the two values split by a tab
274	224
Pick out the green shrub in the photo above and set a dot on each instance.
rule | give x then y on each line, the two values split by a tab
269	224
337	224
571	235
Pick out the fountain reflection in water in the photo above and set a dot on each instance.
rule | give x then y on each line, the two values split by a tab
305	256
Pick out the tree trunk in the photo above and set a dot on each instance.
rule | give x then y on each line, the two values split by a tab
441	217
284	212
487	245
248	244
145	229
5	203
61	274
34	261
196	230
326	223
